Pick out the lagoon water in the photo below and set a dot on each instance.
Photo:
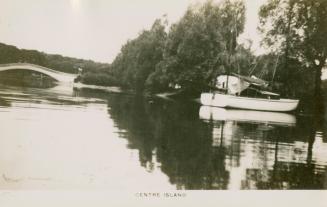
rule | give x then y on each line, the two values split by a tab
88	139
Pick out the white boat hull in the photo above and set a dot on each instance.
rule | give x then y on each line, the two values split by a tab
240	102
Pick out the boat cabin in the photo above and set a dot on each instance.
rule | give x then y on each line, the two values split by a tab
233	85
244	86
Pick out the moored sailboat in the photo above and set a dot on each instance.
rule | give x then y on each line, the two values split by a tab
243	92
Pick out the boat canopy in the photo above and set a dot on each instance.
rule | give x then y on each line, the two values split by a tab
252	80
235	84
238	83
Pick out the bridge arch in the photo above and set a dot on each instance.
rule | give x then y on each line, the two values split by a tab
57	75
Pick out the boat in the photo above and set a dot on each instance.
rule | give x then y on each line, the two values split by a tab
242	92
249	116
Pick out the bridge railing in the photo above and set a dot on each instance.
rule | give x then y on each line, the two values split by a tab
36	66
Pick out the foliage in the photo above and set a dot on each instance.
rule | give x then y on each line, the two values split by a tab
11	54
196	49
138	57
202	44
98	78
296	30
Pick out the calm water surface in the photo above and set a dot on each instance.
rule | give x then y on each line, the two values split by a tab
63	139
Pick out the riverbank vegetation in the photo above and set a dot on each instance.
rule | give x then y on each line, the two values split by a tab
12	54
295	30
200	45
204	43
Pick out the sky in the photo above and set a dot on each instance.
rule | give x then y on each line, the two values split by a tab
93	29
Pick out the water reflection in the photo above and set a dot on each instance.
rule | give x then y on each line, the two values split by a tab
91	139
171	134
26	78
224	149
266	154
271	118
53	141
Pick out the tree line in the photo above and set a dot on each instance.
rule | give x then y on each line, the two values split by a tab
295	31
203	44
191	52
12	54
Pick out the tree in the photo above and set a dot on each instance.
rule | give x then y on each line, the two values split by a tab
138	57
297	30
11	54
202	44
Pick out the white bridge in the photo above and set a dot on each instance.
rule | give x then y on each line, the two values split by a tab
57	75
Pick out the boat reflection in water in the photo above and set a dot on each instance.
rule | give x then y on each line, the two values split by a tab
266	150
121	141
221	114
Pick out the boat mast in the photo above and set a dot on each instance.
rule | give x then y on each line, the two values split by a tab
227	82
272	80
233	30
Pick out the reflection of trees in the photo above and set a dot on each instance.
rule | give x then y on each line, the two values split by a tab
4	102
290	174
299	175
271	157
184	149
197	154
26	78
129	114
183	143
